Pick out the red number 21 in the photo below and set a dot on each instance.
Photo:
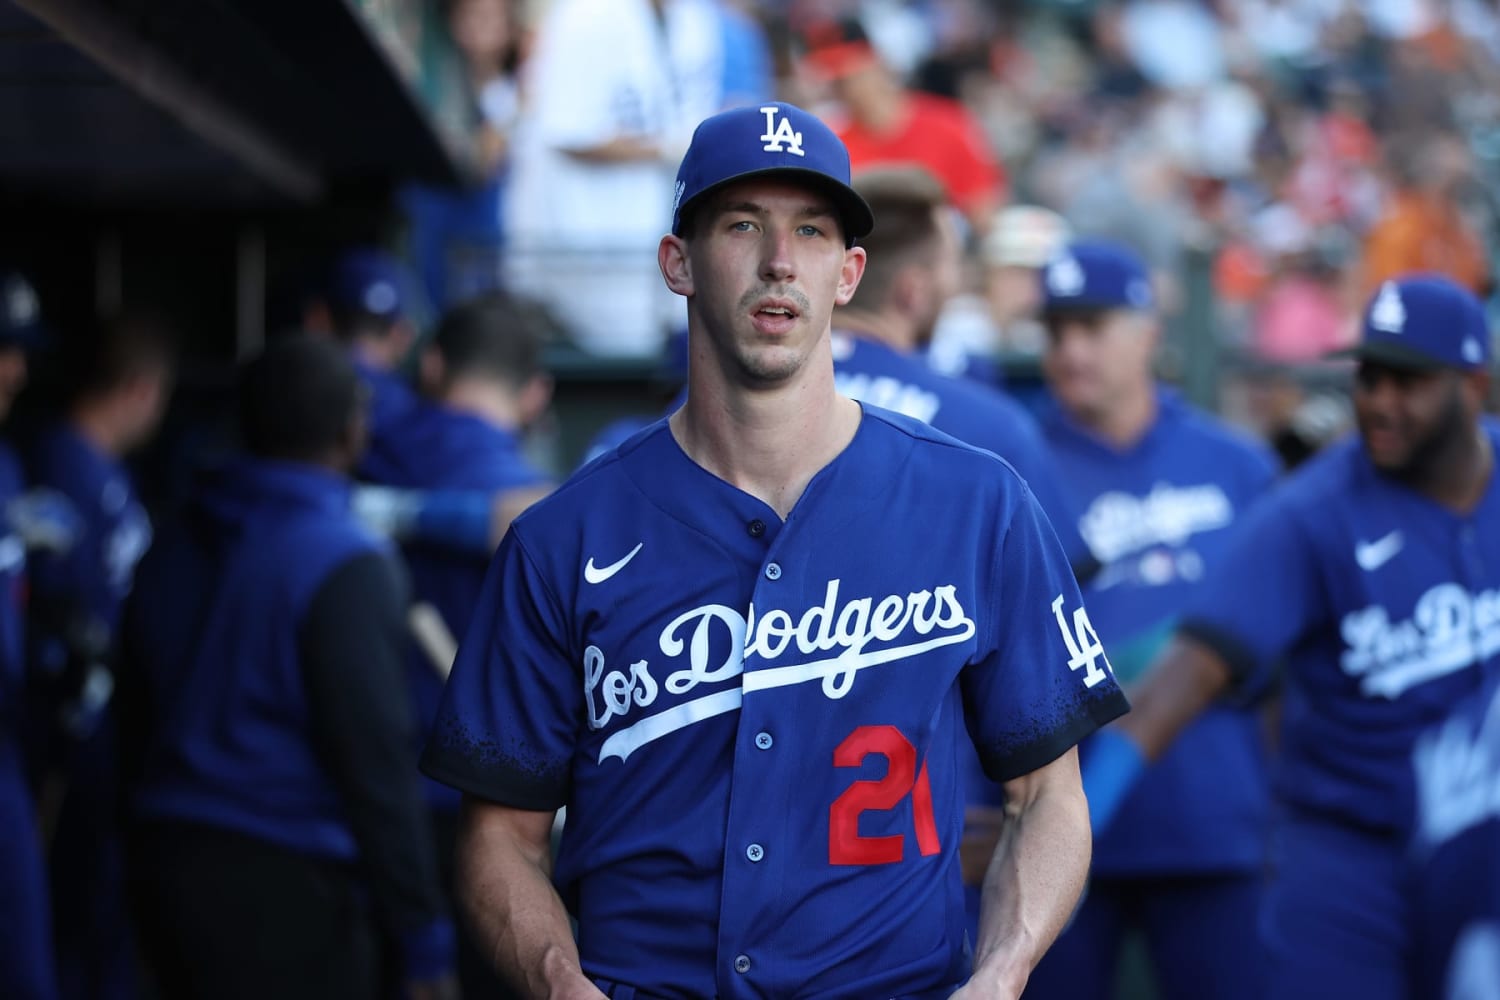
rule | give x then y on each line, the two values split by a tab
845	845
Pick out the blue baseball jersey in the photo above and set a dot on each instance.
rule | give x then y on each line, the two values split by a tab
876	373
1157	515
441	448
392	402
1385	608
1454	878
96	573
12	601
756	724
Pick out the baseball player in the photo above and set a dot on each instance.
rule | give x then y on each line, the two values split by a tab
27	964
913	270
278	842
486	382
1454	875
1156	488
1374	572
743	650
119	385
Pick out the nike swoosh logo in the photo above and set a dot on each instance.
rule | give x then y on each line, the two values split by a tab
598	574
1373	555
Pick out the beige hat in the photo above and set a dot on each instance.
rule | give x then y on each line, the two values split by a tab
1024	236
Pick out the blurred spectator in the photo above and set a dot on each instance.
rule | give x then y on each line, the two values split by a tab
119	382
26	952
613	92
1000	318
888	125
278	842
1424	228
1303	312
457	234
485	384
747	70
1021	241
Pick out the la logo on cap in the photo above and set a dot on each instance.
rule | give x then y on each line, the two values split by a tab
1065	276
780	137
1388	313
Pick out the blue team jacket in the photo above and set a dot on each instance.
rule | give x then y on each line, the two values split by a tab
232	746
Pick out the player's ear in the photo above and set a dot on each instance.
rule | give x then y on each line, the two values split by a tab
849	275
676	269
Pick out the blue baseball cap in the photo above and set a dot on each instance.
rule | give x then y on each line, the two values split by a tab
1423	322
370	281
769	140
1093	275
20	312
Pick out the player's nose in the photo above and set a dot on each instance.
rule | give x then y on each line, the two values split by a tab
776	256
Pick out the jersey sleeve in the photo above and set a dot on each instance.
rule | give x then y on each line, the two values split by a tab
1042	681
1249	627
511	710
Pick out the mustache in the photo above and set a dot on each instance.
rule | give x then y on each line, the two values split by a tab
767	292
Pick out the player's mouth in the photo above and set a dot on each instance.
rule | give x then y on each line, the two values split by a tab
775	316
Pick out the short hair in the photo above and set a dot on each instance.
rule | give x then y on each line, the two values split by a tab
119	349
492	337
905	202
297	398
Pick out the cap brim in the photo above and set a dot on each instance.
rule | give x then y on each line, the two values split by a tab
1384	352
854	213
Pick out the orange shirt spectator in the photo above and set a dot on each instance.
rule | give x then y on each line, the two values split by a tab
1422	232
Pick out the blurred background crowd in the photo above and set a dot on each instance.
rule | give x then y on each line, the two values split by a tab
468	194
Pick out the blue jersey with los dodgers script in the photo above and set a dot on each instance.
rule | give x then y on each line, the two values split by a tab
1454	878
1386	609
875	373
436	447
756	724
1156	515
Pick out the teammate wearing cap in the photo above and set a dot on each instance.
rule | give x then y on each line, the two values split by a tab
483	383
26	954
740	647
1374	572
1155	488
912	271
119	381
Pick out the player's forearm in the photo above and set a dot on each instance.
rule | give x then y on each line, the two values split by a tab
1034	881
516	916
1184	681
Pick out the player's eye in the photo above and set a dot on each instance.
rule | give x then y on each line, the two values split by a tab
809	230
742	226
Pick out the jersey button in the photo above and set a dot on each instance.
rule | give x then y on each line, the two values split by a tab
773	571
757	528
755	852
742	964
763	740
